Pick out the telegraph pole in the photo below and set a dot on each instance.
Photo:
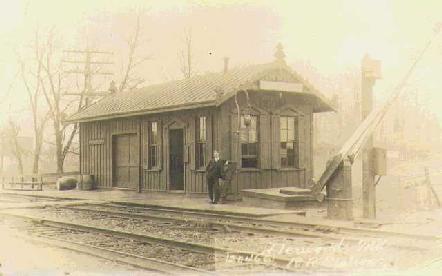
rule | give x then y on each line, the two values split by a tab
86	58
370	73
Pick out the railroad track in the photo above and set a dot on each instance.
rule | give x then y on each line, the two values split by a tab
216	237
182	256
260	225
128	249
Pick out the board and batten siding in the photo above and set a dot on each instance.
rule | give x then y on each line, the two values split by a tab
96	145
269	174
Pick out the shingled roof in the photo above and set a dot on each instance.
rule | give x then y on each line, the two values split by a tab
203	90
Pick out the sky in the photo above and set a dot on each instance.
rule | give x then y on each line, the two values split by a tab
331	35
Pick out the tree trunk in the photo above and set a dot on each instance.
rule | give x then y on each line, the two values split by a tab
20	165
36	161
58	146
35	164
18	156
37	148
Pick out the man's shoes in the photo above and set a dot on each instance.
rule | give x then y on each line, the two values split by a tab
215	202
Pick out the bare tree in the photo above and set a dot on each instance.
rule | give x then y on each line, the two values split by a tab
32	80
129	81
186	55
51	86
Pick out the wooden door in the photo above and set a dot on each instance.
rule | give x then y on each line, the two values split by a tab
176	159
125	149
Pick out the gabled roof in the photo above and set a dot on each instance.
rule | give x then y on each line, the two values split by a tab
203	90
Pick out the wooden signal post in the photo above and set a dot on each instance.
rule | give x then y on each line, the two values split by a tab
370	73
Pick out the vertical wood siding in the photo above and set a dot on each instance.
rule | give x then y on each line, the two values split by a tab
96	158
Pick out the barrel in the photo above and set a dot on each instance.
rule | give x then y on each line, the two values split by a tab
86	182
66	183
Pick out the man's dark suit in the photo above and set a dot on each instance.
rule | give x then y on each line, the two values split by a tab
214	171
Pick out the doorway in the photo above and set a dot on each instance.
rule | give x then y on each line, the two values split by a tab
176	159
125	155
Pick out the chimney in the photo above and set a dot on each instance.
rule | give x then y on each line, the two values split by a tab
226	64
279	54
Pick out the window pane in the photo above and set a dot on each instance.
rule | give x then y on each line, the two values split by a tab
291	135
154	133
283	122
283	135
253	149
249	142
249	162
242	124
244	150
200	154
252	136
152	156
202	128
153	145
290	162
243	136
291	123
203	155
253	122
288	146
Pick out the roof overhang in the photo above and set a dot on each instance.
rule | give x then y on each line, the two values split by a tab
141	112
281	86
321	104
297	88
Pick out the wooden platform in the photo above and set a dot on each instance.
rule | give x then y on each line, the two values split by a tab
280	198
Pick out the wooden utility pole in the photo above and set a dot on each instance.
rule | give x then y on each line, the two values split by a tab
88	72
370	73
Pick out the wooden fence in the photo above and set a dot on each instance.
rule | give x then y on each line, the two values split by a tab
33	182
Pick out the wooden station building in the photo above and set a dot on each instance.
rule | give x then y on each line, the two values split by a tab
160	138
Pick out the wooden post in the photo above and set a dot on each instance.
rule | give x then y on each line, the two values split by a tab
430	187
339	193
370	73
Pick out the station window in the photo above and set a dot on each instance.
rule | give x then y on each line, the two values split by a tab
289	141
153	145
249	141
201	140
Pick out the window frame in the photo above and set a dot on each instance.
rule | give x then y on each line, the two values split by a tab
289	140
155	145
256	142
199	142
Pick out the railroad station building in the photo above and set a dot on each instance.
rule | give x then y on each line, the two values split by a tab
160	137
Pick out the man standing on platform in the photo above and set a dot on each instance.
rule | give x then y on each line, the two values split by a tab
214	171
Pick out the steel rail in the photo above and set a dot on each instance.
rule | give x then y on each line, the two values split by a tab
195	247
269	230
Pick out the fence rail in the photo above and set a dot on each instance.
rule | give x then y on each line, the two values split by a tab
32	182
